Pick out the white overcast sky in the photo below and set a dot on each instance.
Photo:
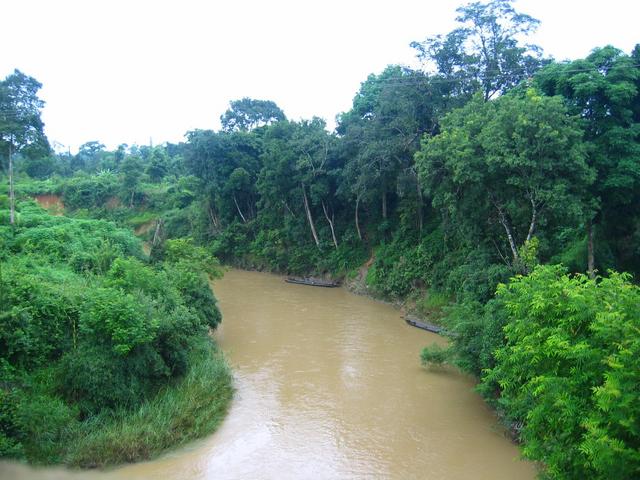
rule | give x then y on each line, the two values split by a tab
130	71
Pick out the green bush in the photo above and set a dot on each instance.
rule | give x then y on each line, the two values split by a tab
434	355
190	409
44	422
569	371
83	191
193	287
88	330
118	319
95	378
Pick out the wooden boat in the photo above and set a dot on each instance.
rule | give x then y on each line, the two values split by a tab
423	325
312	282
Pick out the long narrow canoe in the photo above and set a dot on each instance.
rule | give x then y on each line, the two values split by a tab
312	282
425	326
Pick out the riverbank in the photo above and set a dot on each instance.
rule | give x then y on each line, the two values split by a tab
190	409
419	303
107	358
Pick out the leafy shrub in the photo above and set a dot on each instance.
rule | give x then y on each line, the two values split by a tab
95	377
44	422
121	320
88	328
569	370
194	288
434	355
83	191
10	431
184	252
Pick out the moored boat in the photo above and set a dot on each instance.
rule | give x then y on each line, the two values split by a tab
423	325
312	282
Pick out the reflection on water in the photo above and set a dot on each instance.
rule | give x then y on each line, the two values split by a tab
329	385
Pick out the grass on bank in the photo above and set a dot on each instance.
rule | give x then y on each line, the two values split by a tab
190	409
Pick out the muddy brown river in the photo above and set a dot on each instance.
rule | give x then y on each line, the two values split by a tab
329	386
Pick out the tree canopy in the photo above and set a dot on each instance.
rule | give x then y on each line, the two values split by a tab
247	114
21	127
486	52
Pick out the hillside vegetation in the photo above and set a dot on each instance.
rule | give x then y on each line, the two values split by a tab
97	343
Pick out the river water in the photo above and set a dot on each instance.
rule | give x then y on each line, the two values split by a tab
329	386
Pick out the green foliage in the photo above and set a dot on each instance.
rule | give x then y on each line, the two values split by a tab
191	409
183	252
94	377
44	422
604	90
89	191
196	293
485	52
39	312
123	319
132	169
88	328
475	331
21	128
40	167
247	114
528	254
10	431
569	371
517	166
434	355
432	302
456	180
87	244
401	267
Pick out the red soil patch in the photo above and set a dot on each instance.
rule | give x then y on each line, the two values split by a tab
53	203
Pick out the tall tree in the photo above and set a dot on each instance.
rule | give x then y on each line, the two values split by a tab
21	128
228	164
485	52
314	149
246	114
89	157
132	169
604	90
158	164
380	134
513	164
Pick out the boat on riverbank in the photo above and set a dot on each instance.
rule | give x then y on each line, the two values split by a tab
312	282
429	327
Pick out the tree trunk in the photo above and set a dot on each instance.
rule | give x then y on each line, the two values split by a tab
12	195
288	208
244	220
158	235
214	219
507	227
252	207
420	204
357	222
156	250
133	192
532	225
384	204
591	263
330	220
309	217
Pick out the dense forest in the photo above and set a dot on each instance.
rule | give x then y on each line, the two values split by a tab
494	190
